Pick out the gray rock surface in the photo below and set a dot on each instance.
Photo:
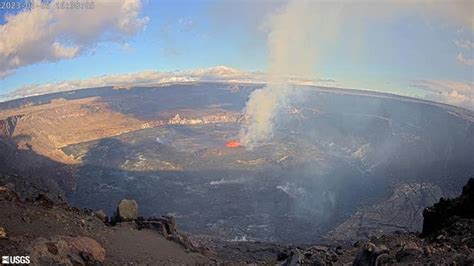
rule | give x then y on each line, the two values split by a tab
101	215
127	210
369	255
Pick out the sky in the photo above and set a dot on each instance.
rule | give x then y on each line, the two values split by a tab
420	48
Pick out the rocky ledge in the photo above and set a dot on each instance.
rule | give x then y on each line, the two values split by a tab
52	232
447	239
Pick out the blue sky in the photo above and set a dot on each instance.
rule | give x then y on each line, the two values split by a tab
183	35
178	36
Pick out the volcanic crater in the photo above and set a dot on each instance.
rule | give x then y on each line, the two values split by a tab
340	164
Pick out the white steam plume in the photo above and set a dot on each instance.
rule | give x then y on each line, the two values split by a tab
301	30
292	53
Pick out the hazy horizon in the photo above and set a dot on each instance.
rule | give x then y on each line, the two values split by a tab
421	49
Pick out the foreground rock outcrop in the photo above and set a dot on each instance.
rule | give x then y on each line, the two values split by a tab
447	238
52	232
447	211
7	126
66	250
127	210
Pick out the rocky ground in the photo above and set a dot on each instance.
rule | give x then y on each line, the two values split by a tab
447	238
52	232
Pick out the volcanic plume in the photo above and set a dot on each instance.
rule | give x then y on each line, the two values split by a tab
303	30
291	53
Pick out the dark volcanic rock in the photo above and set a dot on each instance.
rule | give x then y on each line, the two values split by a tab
44	200
369	255
7	195
443	212
295	258
409	253
165	225
102	216
60	234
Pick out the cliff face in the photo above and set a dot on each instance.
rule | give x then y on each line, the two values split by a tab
47	128
36	134
447	211
8	125
448	231
402	211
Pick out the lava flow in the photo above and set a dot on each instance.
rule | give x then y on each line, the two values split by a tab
232	144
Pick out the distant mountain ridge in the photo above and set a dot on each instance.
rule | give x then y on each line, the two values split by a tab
108	90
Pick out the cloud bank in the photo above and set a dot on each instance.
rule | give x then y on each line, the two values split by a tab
447	91
463	59
148	78
47	35
451	92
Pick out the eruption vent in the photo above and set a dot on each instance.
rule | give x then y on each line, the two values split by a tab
291	54
233	144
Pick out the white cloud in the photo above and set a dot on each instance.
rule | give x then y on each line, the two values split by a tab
448	91
467	61
6	73
465	44
126	47
218	74
444	91
186	24
48	35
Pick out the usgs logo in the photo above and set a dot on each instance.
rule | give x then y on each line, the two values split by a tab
15	259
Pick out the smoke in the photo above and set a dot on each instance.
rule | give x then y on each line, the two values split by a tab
292	53
261	109
302	30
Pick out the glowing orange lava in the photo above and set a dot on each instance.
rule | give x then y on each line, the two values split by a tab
232	144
